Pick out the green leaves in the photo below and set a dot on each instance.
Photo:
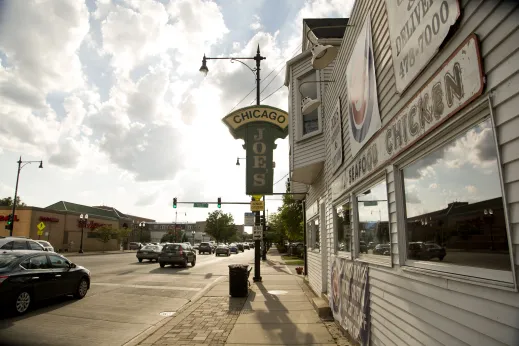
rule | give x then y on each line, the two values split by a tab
220	226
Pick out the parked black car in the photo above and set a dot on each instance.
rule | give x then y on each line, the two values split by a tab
27	276
205	248
177	254
150	252
240	247
426	251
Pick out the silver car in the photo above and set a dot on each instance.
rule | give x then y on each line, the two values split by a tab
48	246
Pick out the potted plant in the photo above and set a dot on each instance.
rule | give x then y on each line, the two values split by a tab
299	270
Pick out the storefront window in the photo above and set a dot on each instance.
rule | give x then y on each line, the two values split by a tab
343	228
312	229
454	206
374	236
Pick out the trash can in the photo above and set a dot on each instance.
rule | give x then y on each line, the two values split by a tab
238	280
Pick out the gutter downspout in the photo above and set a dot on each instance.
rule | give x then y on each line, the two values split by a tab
304	239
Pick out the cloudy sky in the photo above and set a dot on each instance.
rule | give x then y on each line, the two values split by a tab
108	95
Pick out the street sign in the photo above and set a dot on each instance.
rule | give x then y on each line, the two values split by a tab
257	232
257	205
370	203
249	219
257	197
41	226
201	205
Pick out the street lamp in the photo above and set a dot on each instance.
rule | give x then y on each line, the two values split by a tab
238	160
83	221
193	233
20	166
204	70
141	226
322	56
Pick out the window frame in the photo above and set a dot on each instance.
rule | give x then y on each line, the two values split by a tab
299	115
311	239
443	136
381	260
339	203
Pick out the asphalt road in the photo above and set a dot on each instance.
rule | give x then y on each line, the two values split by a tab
125	298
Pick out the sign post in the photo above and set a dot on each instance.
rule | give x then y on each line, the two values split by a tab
259	126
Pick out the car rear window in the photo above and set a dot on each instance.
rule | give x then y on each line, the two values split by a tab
7	259
204	244
44	243
151	247
171	248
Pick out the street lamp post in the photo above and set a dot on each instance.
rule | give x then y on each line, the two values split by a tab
141	226
83	221
193	233
21	164
256	71
238	160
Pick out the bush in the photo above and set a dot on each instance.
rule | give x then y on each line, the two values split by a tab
281	248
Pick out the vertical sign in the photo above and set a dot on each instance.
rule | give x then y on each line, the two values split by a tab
417	28
335	129
364	116
259	126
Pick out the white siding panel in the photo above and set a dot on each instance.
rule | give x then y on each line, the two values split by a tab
314	271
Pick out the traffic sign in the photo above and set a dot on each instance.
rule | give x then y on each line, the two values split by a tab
201	205
257	232
249	219
257	205
41	226
370	203
257	197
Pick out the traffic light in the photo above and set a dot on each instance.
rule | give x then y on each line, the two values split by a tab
219	204
262	220
174	202
9	225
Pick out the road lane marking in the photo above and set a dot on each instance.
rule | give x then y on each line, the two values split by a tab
146	286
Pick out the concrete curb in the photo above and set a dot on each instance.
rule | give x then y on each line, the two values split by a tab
136	340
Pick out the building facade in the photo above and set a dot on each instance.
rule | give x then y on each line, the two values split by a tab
62	228
413	218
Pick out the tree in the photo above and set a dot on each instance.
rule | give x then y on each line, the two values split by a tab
8	202
168	238
220	226
122	234
287	223
104	234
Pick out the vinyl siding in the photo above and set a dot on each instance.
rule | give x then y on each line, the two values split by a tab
316	194
410	308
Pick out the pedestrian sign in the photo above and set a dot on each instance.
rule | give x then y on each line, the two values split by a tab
41	226
257	197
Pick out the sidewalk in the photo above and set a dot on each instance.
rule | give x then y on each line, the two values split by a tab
278	311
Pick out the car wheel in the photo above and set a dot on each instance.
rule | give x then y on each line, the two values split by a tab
184	264
193	262
162	264
140	260
441	258
82	289
22	302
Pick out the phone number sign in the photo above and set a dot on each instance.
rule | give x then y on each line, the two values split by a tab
417	29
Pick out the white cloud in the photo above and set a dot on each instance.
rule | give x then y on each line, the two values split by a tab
113	103
433	186
471	189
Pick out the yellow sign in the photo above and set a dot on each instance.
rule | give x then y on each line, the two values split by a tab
257	197
41	226
257	205
254	114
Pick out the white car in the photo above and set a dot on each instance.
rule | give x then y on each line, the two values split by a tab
48	246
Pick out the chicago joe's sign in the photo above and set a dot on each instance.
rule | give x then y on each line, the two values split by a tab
259	126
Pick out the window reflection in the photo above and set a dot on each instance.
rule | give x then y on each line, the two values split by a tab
343	227
311	120
313	234
454	208
374	221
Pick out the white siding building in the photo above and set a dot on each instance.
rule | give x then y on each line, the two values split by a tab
427	201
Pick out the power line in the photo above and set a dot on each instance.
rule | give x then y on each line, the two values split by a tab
272	93
281	179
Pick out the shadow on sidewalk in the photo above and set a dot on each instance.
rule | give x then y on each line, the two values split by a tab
289	332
